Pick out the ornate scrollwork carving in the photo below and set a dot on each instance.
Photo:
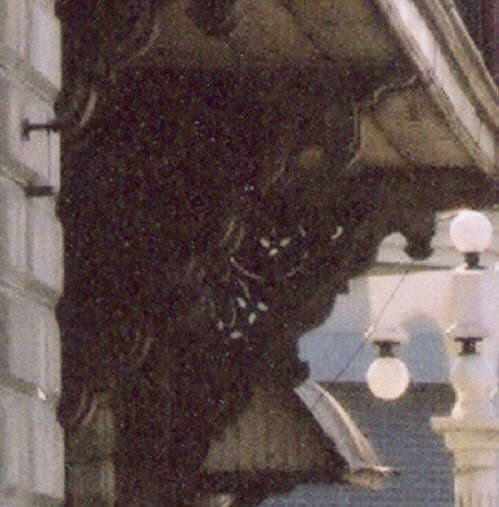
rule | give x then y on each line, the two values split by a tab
198	253
101	40
212	16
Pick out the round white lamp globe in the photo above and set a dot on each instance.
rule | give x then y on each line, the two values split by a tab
387	378
470	231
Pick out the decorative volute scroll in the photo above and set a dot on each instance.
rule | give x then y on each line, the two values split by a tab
201	243
212	16
101	40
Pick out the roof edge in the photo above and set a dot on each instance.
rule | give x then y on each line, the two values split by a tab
451	66
364	467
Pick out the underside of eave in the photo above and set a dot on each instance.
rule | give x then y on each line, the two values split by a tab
453	72
442	106
277	33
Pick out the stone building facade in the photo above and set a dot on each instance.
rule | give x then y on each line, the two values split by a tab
31	258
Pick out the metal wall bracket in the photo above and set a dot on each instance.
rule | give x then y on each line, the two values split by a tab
39	191
55	125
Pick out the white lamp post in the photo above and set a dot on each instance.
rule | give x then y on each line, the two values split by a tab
471	432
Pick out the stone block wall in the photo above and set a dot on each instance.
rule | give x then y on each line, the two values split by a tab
31	258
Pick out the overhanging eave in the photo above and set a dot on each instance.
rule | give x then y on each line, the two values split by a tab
453	71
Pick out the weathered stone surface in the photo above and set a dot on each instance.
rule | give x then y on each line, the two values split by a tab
45	258
24	348
45	40
13	25
13	214
51	378
15	467
31	440
33	159
47	452
30	349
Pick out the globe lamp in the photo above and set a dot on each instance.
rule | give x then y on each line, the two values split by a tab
471	233
388	376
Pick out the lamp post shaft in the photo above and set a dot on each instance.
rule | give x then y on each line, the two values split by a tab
471	432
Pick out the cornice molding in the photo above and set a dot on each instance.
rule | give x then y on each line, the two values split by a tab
451	67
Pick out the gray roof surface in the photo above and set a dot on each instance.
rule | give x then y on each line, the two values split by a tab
401	435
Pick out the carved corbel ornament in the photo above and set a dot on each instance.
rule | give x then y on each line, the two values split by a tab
213	17
101	40
198	257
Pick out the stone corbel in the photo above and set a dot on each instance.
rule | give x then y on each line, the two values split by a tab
101	41
195	265
212	16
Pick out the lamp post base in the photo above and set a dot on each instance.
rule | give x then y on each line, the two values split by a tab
475	445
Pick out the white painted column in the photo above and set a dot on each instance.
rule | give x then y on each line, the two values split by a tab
471	432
